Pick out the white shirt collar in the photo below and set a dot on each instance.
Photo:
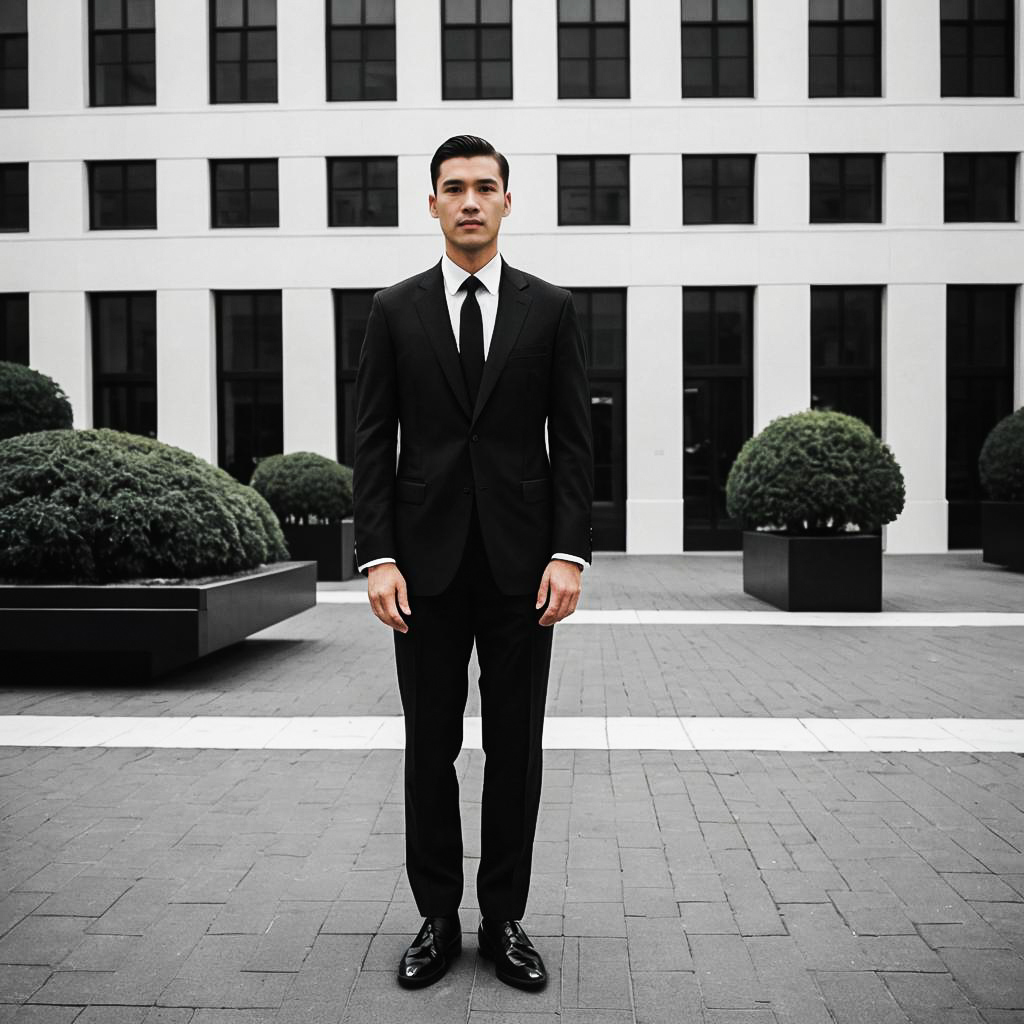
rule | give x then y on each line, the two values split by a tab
489	275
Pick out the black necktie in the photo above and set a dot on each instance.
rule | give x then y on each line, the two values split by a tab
471	338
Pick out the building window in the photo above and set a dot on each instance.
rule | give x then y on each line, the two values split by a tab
351	311
977	47
717	48
593	190
243	51
846	352
718	190
122	53
362	191
845	40
361	50
846	188
13	197
124	361
979	393
14	327
593	49
122	194
244	193
476	50
980	186
13	55
250	422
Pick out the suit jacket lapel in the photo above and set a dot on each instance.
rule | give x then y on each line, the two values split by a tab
433	310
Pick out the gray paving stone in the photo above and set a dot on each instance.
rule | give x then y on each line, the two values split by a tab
18	982
993	981
42	940
858	996
725	973
930	998
661	997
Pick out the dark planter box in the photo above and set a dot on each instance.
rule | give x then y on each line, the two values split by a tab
140	630
1002	533
841	573
332	547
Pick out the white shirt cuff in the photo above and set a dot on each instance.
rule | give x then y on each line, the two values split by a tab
570	558
376	561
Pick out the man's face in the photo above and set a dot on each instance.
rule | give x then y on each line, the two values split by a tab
470	201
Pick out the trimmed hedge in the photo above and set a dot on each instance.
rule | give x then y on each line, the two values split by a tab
815	472
98	506
1001	462
30	401
304	486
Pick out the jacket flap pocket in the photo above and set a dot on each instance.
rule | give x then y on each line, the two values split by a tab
528	351
412	491
536	490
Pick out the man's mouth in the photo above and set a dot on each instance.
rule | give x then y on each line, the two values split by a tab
471	224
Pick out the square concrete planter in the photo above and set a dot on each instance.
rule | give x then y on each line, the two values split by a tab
841	573
331	546
1002	533
140	630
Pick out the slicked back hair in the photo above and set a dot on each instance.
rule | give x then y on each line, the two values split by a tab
466	145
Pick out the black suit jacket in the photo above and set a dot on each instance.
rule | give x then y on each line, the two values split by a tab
530	505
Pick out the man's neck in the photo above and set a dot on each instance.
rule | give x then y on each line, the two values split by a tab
471	262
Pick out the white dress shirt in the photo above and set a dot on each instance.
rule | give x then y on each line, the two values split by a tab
489	276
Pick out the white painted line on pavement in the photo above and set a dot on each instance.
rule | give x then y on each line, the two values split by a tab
724	617
387	732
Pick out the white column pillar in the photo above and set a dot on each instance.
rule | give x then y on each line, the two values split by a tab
60	339
655	190
58	76
654	65
418	54
57	200
782	351
301	62
309	390
534	52
302	194
914	412
780	27
911	58
182	55
912	195
654	420
186	371
781	190
183	197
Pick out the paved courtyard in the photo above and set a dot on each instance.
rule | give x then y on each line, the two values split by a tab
250	886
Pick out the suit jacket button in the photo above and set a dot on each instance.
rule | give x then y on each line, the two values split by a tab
475	437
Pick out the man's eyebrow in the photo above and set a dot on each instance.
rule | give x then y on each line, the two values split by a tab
460	181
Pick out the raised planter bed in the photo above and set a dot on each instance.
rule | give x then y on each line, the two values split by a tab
841	573
144	629
332	547
1002	533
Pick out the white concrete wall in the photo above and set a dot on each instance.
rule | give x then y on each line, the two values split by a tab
913	254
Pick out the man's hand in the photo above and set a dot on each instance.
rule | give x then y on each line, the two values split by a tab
387	592
563	579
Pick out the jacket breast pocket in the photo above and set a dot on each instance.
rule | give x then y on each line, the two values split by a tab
528	352
412	491
537	490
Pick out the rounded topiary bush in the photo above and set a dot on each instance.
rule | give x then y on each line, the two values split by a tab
304	486
1001	462
30	401
815	472
96	506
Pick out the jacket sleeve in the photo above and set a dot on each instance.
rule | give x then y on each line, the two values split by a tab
376	441
570	439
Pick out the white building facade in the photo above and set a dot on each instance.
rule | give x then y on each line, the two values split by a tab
660	414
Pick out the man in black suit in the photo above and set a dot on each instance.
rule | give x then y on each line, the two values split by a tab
482	524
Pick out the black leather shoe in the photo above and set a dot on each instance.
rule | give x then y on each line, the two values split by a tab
516	961
436	945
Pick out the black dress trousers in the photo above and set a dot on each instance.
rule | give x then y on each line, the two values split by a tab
514	654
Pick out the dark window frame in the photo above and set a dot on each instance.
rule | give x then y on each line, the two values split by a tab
245	31
246	165
590	159
345	374
479	28
973	199
363	163
133	381
871	371
716	188
14	327
842	26
365	30
14	66
92	166
845	198
969	25
261	378
715	27
10	201
126	34
592	58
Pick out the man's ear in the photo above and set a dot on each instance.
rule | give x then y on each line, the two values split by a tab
432	205
508	205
